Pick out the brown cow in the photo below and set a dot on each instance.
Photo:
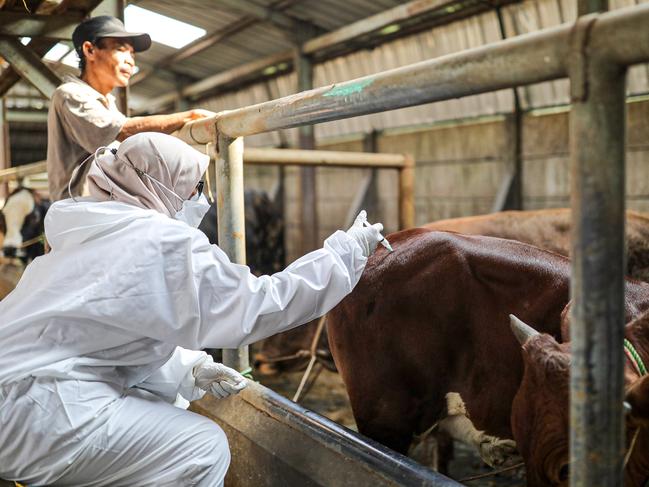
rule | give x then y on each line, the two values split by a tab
431	318
550	230
546	229
540	411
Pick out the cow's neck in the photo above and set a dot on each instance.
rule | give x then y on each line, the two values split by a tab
637	333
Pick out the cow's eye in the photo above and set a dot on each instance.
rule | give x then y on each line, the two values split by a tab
564	472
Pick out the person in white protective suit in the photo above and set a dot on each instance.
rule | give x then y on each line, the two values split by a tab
91	359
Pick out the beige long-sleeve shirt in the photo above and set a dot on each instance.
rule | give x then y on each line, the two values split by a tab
79	121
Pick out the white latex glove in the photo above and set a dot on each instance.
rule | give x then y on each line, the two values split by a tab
217	379
368	236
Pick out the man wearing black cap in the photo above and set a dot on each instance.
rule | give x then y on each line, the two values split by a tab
83	115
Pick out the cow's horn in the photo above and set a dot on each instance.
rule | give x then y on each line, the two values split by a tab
522	331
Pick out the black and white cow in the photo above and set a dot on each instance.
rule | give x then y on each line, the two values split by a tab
23	215
265	252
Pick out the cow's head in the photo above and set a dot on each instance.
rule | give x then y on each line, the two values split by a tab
540	412
23	214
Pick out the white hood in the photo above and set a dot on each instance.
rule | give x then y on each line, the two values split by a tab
70	222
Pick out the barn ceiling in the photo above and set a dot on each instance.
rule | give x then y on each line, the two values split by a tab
244	33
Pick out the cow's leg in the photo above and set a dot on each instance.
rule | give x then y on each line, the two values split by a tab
493	451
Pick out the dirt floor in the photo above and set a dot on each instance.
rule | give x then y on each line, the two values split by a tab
327	397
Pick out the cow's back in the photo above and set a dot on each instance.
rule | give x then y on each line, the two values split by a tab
549	229
432	317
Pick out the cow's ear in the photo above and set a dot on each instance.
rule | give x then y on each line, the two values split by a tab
565	323
638	398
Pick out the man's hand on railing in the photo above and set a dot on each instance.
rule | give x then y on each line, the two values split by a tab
198	113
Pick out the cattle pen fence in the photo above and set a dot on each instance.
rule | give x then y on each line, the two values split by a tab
594	53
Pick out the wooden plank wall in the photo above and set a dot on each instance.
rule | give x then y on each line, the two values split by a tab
459	170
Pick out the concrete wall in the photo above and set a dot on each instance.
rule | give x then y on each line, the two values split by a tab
459	170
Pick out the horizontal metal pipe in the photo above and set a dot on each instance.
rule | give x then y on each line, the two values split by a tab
291	157
303	157
523	60
20	172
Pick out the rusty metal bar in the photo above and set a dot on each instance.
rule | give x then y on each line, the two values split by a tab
622	36
296	157
597	137
19	172
231	217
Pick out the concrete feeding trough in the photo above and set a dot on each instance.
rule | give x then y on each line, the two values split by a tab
277	442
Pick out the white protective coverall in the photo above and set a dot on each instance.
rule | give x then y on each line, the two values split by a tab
90	360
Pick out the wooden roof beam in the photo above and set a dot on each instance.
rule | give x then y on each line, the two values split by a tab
266	14
47	26
29	66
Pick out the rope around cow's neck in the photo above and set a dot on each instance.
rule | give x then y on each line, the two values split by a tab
493	472
33	241
636	360
634	357
631	446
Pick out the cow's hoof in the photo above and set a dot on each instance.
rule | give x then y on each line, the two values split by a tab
496	452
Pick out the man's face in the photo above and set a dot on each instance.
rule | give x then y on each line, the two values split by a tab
111	59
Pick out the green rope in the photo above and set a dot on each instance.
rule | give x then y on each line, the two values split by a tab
247	373
634	353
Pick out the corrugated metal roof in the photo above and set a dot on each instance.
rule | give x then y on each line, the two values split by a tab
261	39
522	18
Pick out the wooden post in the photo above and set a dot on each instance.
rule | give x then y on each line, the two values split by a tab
5	153
407	193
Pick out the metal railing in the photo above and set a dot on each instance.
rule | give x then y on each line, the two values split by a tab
19	172
594	53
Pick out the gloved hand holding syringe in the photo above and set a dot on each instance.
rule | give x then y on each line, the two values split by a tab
368	235
383	241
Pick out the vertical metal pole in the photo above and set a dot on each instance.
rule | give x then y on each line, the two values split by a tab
591	6
597	136
308	199
231	218
407	193
5	154
371	198
116	9
514	157
513	199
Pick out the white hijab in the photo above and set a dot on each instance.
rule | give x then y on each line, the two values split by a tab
143	170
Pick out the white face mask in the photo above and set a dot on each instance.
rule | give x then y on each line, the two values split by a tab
193	211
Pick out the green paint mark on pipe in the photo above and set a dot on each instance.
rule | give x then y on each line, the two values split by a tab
349	89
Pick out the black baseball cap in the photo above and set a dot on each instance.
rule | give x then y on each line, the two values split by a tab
96	28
